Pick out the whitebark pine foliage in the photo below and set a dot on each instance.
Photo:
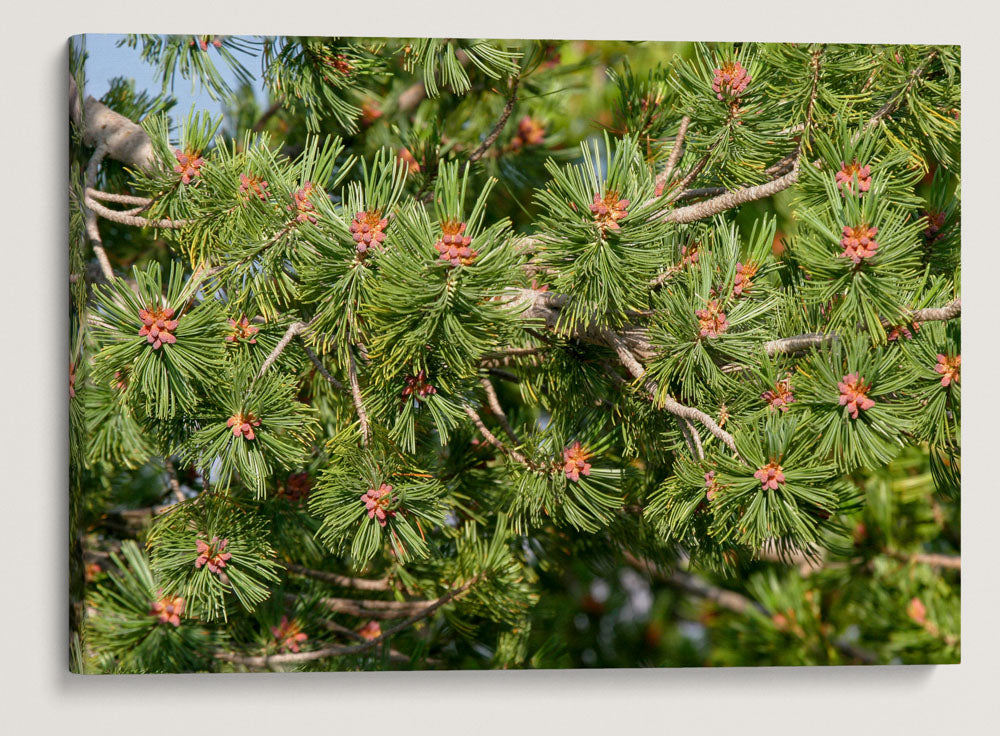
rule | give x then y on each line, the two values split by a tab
468	353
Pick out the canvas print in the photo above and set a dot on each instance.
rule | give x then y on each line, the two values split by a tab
414	354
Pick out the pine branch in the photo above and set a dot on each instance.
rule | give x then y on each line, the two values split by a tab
293	329
382	610
728	599
947	562
696	193
675	154
735	198
175	486
492	439
90	217
269	113
890	107
800	343
359	404
342	581
494	402
545	306
124	218
333	651
691	437
729	200
118	198
951	310
498	128
322	369
102	127
668	402
690	176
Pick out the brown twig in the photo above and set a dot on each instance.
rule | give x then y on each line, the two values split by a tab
359	404
501	122
947	562
270	112
123	218
333	651
117	198
342	581
703	192
175	486
731	199
675	153
90	216
492	439
890	107
800	343
382	610
668	402
728	599
293	329
322	368
498	412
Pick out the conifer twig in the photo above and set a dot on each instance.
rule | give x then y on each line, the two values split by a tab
492	439
798	343
501	122
668	402
691	436
293	329
90	216
333	651
703	192
175	486
343	581
951	310
690	177
728	599
731	199
270	112
498	412
117	198
322	368
947	562
890	106
123	218
359	404
675	153
383	610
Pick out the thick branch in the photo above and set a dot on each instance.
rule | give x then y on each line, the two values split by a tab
729	200
122	139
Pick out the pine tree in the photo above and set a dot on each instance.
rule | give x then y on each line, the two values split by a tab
452	357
